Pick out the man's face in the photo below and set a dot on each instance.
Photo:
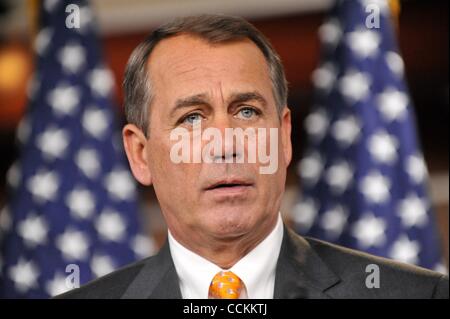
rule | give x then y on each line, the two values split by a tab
223	86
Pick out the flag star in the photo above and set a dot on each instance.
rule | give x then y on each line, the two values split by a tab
14	175
43	40
64	99
375	188
310	168
50	5
73	245
57	285
120	184
143	246
330	32
101	81
88	162
369	231
53	142
383	147
33	229
81	203
24	275
346	130
339	176
86	18
441	268
392	104
333	221
43	185
305	213
101	265
395	63
382	5
111	226
24	130
5	220
72	57
355	86
324	77
95	122
413	211
416	168
364	43
405	250
316	123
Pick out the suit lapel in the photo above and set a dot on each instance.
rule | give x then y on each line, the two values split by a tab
300	272
157	279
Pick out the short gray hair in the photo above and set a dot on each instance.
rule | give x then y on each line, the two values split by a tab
212	28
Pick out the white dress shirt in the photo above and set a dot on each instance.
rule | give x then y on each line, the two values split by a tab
256	269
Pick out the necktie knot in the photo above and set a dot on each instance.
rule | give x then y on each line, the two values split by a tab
225	285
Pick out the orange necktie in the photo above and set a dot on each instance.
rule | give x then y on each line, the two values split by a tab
225	285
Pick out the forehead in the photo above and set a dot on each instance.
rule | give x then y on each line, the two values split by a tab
183	63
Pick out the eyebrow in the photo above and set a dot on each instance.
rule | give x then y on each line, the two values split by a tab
202	99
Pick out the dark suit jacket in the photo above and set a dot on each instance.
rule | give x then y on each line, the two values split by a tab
306	268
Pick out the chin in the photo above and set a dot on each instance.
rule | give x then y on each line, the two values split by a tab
230	222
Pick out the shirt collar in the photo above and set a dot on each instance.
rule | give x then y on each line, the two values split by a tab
256	269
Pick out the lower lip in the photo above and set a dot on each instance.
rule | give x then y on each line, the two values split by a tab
230	191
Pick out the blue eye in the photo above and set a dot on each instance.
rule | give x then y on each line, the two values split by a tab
247	113
192	118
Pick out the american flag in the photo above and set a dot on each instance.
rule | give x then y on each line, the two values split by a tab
72	201
363	175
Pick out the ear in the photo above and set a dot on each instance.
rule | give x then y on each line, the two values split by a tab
286	135
135	144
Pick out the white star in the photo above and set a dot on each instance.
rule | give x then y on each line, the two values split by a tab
95	122
405	250
111	226
143	246
88	162
330	32
441	268
72	57
119	184
305	213
375	188
392	104
86	18
333	221
5	220
14	175
383	147
355	86
53	142
50	5
310	168
57	285
325	76
416	168
346	130
101	81
381	4
81	203
43	40
369	231
24	130
413	211
102	265
316	123
43	185
64	99
395	63
339	176
24	274
73	244
33	230
364	43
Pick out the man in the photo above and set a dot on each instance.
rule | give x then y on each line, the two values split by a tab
225	234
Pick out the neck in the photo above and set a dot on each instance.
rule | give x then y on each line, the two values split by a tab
225	252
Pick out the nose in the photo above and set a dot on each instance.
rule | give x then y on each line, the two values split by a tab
229	151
